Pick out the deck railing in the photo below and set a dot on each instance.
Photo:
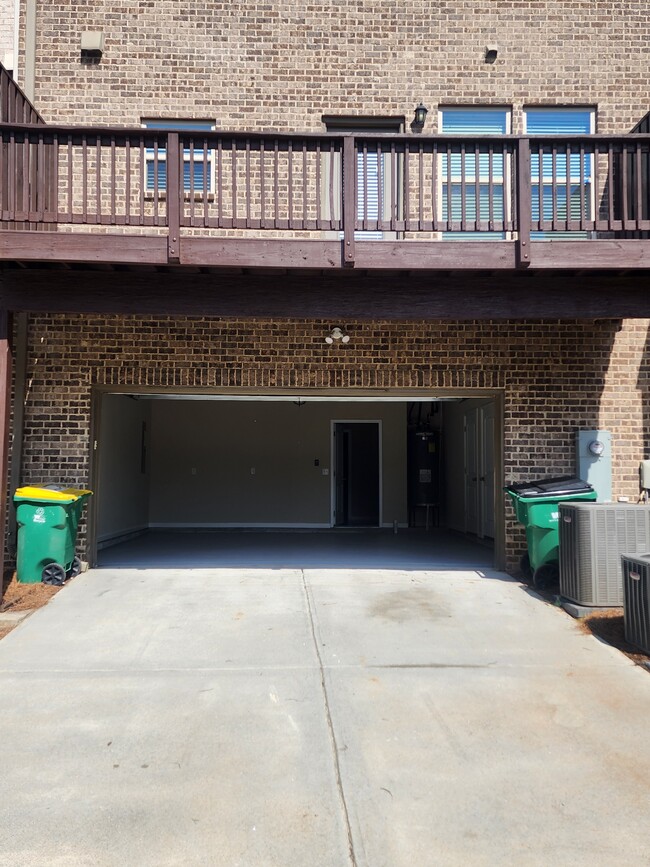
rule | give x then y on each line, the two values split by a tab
405	186
14	105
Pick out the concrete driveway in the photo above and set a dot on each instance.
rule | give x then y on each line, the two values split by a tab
320	717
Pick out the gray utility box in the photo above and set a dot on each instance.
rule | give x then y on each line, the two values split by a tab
636	587
592	538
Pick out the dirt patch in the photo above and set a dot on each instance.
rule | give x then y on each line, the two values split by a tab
608	625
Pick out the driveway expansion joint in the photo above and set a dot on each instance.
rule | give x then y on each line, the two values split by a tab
330	725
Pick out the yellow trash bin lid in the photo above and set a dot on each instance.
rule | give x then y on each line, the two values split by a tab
50	495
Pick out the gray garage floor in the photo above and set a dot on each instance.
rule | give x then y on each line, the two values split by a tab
324	717
278	549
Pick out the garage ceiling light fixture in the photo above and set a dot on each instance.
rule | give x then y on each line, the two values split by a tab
337	334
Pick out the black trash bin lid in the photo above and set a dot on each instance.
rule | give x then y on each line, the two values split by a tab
550	487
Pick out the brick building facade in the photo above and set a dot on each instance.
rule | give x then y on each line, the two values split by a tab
284	68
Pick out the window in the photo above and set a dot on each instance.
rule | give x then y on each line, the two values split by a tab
198	163
562	188
474	168
377	174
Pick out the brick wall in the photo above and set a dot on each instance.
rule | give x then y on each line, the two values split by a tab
6	28
556	377
258	65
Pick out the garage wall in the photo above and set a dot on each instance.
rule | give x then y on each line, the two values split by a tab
123	490
202	454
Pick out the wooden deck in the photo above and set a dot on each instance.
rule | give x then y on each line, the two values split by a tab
323	202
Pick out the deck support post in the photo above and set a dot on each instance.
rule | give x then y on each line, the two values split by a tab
174	176
524	203
349	200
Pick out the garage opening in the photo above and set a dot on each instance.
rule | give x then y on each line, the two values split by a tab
222	479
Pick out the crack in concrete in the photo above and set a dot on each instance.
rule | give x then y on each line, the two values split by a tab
330	725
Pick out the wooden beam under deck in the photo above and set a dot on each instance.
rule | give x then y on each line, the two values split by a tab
323	255
340	295
84	248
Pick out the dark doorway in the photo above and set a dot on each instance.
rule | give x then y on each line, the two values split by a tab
356	453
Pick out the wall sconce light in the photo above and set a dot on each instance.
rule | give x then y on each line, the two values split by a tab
420	116
491	52
92	44
337	334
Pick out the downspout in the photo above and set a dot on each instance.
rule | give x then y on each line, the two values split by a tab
29	78
16	37
18	421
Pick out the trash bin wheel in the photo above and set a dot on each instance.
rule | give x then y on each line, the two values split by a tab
524	565
546	577
75	569
53	573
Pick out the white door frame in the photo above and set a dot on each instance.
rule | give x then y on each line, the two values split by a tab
333	423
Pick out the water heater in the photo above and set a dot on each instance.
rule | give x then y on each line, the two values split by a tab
423	467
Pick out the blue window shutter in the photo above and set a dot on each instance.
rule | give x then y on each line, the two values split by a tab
198	176
199	158
474	121
559	121
162	173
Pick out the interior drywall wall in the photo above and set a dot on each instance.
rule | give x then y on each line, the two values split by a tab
123	489
453	433
247	463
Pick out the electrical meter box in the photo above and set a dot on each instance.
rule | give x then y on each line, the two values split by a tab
594	461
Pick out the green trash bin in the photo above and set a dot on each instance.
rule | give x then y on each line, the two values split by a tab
47	520
536	507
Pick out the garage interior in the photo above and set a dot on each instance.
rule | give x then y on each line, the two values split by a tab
202	480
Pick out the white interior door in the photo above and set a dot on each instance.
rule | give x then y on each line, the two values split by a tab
479	426
471	472
486	468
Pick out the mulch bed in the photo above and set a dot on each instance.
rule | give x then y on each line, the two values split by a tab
608	625
23	597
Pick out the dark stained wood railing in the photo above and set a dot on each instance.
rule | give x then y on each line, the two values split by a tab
353	187
15	108
14	105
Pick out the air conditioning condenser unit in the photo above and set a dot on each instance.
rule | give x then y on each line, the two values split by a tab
593	536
